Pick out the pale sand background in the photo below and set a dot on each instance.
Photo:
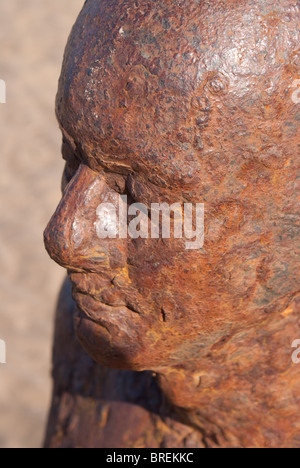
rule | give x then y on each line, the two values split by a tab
33	34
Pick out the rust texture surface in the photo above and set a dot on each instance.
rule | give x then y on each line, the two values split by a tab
191	102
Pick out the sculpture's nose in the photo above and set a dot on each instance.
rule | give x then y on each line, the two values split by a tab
71	236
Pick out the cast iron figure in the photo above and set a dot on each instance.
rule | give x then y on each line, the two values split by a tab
184	101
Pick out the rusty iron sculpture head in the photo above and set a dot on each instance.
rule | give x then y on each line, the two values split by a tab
190	102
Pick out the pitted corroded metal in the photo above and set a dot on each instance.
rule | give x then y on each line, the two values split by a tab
188	101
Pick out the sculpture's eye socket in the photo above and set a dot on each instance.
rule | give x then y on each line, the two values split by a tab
72	163
68	174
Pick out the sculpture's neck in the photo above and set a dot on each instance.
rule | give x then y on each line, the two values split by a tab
245	391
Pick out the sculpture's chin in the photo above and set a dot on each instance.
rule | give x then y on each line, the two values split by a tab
109	345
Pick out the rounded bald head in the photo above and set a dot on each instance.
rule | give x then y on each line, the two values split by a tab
186	101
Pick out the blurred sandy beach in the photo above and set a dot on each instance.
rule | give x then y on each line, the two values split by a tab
33	35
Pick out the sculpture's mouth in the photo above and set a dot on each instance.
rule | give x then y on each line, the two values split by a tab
115	337
101	314
112	334
99	300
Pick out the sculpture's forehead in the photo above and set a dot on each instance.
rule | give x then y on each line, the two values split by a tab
143	77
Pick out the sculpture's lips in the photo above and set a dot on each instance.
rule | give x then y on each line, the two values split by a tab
82	313
91	309
115	320
98	288
97	295
98	312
